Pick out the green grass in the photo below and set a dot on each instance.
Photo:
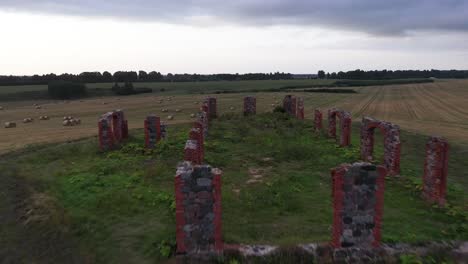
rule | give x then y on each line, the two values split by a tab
120	205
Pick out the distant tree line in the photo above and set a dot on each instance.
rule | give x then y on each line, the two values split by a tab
388	74
140	76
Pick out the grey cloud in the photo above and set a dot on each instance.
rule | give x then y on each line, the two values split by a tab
381	17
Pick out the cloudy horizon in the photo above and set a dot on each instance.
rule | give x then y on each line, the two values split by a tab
208	36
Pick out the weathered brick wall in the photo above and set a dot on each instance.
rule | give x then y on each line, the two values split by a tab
345	125
300	108
198	209
152	131
318	116
358	191
250	105
435	171
392	143
105	135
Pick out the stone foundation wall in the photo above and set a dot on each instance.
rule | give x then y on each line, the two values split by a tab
345	125
392	143
435	171
250	105
152	131
198	209
358	191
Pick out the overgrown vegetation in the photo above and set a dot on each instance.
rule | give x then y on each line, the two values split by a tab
119	205
128	89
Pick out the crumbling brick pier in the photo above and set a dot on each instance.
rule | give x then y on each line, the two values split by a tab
435	171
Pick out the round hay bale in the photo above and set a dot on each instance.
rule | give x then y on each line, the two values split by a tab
177	110
66	123
38	107
170	117
10	124
192	115
78	121
231	108
1	107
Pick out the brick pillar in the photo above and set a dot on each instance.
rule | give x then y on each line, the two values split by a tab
152	131
367	138
318	116
106	137
250	105
300	108
358	192
191	152
196	134
163	130
332	123
345	124
392	152
117	124
212	108
435	171
203	119
287	103
198	209
206	108
293	106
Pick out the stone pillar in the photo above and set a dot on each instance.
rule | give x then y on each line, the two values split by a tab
163	130
250	105
332	123
300	108
345	123
117	125
191	152
212	108
106	137
318	116
152	131
206	108
358	192
125	130
293	106
203	119
289	104
435	171
198	209
197	135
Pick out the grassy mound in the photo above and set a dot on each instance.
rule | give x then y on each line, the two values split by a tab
119	206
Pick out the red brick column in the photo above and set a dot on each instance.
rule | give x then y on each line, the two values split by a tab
197	135
203	119
294	106
345	123
289	104
125	130
191	152
435	171
358	192
212	108
300	108
332	123
206	108
152	131
318	116
117	124
198	209
106	137
250	105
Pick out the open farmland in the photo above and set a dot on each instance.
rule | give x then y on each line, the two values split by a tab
430	108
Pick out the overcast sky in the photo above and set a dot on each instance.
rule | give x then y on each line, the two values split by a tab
213	36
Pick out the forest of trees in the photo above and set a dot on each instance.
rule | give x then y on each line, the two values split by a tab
387	74
140	76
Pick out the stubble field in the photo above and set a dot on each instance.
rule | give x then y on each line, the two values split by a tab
431	108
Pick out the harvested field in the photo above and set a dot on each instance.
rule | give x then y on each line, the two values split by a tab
428	108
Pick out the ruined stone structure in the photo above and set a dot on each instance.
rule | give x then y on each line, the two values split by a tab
198	209
435	171
152	131
358	191
300	108
345	125
318	116
250	105
392	143
106	136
